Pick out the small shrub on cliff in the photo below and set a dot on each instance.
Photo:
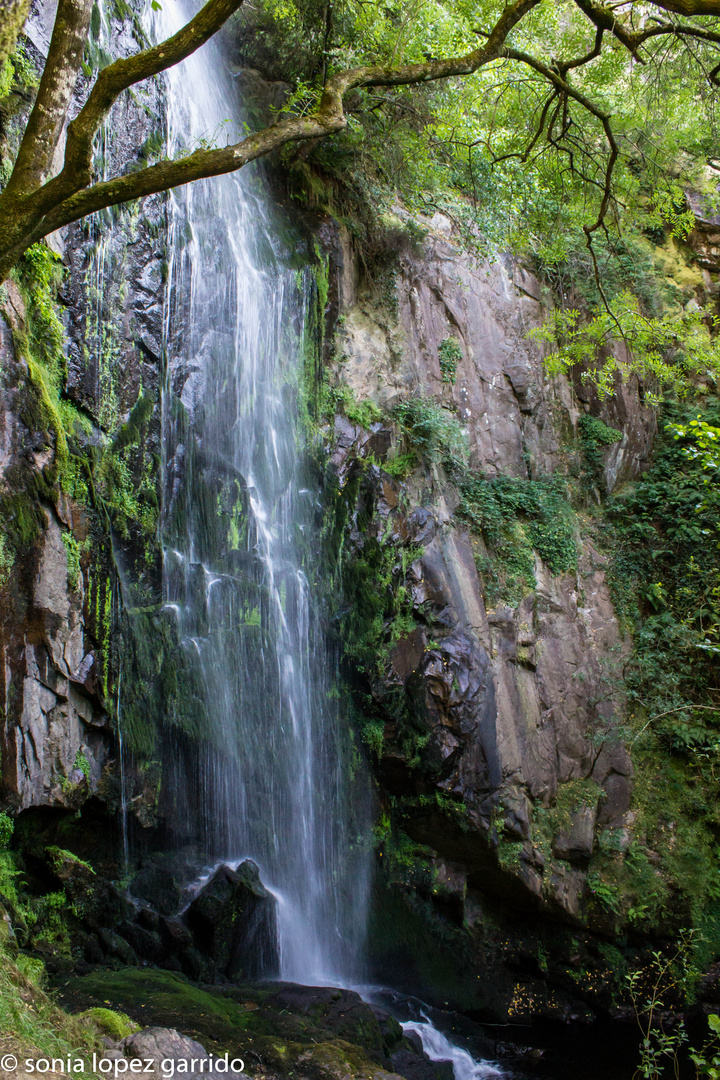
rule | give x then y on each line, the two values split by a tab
449	356
595	435
433	433
7	827
7	560
515	519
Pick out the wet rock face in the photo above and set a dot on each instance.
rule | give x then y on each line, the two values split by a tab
517	418
508	705
56	743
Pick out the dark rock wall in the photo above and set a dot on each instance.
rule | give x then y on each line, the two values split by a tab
60	623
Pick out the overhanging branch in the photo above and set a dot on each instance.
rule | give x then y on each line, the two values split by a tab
45	124
111	82
67	197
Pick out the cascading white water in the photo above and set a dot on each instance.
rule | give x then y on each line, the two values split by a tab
439	1048
239	549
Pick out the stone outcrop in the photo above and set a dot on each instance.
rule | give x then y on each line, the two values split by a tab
233	921
160	1045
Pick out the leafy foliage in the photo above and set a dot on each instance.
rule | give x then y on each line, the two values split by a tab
701	443
489	150
7	827
662	534
449	356
433	433
666	580
515	519
671	351
595	436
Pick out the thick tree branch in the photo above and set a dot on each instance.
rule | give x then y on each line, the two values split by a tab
679	30
605	19
29	211
689	7
202	163
110	83
47	118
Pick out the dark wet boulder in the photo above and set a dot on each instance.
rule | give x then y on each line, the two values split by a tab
146	943
390	1029
95	900
158	887
233	922
341	1013
117	947
175	935
418	1066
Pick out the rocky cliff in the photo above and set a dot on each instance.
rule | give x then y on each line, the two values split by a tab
487	662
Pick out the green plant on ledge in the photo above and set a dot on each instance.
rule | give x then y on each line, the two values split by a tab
434	434
515	519
595	435
449	356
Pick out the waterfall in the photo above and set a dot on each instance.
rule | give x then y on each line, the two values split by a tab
439	1048
240	550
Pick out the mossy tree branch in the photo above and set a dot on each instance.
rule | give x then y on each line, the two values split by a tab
13	14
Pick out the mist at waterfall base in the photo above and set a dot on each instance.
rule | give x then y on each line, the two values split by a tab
266	775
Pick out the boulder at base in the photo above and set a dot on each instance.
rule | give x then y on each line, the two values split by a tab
233	921
158	1045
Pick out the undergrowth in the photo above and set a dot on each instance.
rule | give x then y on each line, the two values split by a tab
516	519
663	536
31	1023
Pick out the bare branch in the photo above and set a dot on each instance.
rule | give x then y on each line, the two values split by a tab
553	76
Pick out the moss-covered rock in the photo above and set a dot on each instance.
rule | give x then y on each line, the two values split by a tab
279	1029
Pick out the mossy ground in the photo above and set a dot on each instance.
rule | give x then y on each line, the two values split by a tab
240	1020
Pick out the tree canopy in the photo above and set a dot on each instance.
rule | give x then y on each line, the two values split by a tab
579	110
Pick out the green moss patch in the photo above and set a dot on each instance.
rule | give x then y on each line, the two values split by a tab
113	1024
516	519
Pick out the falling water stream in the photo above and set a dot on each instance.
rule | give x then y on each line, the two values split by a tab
271	781
239	546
